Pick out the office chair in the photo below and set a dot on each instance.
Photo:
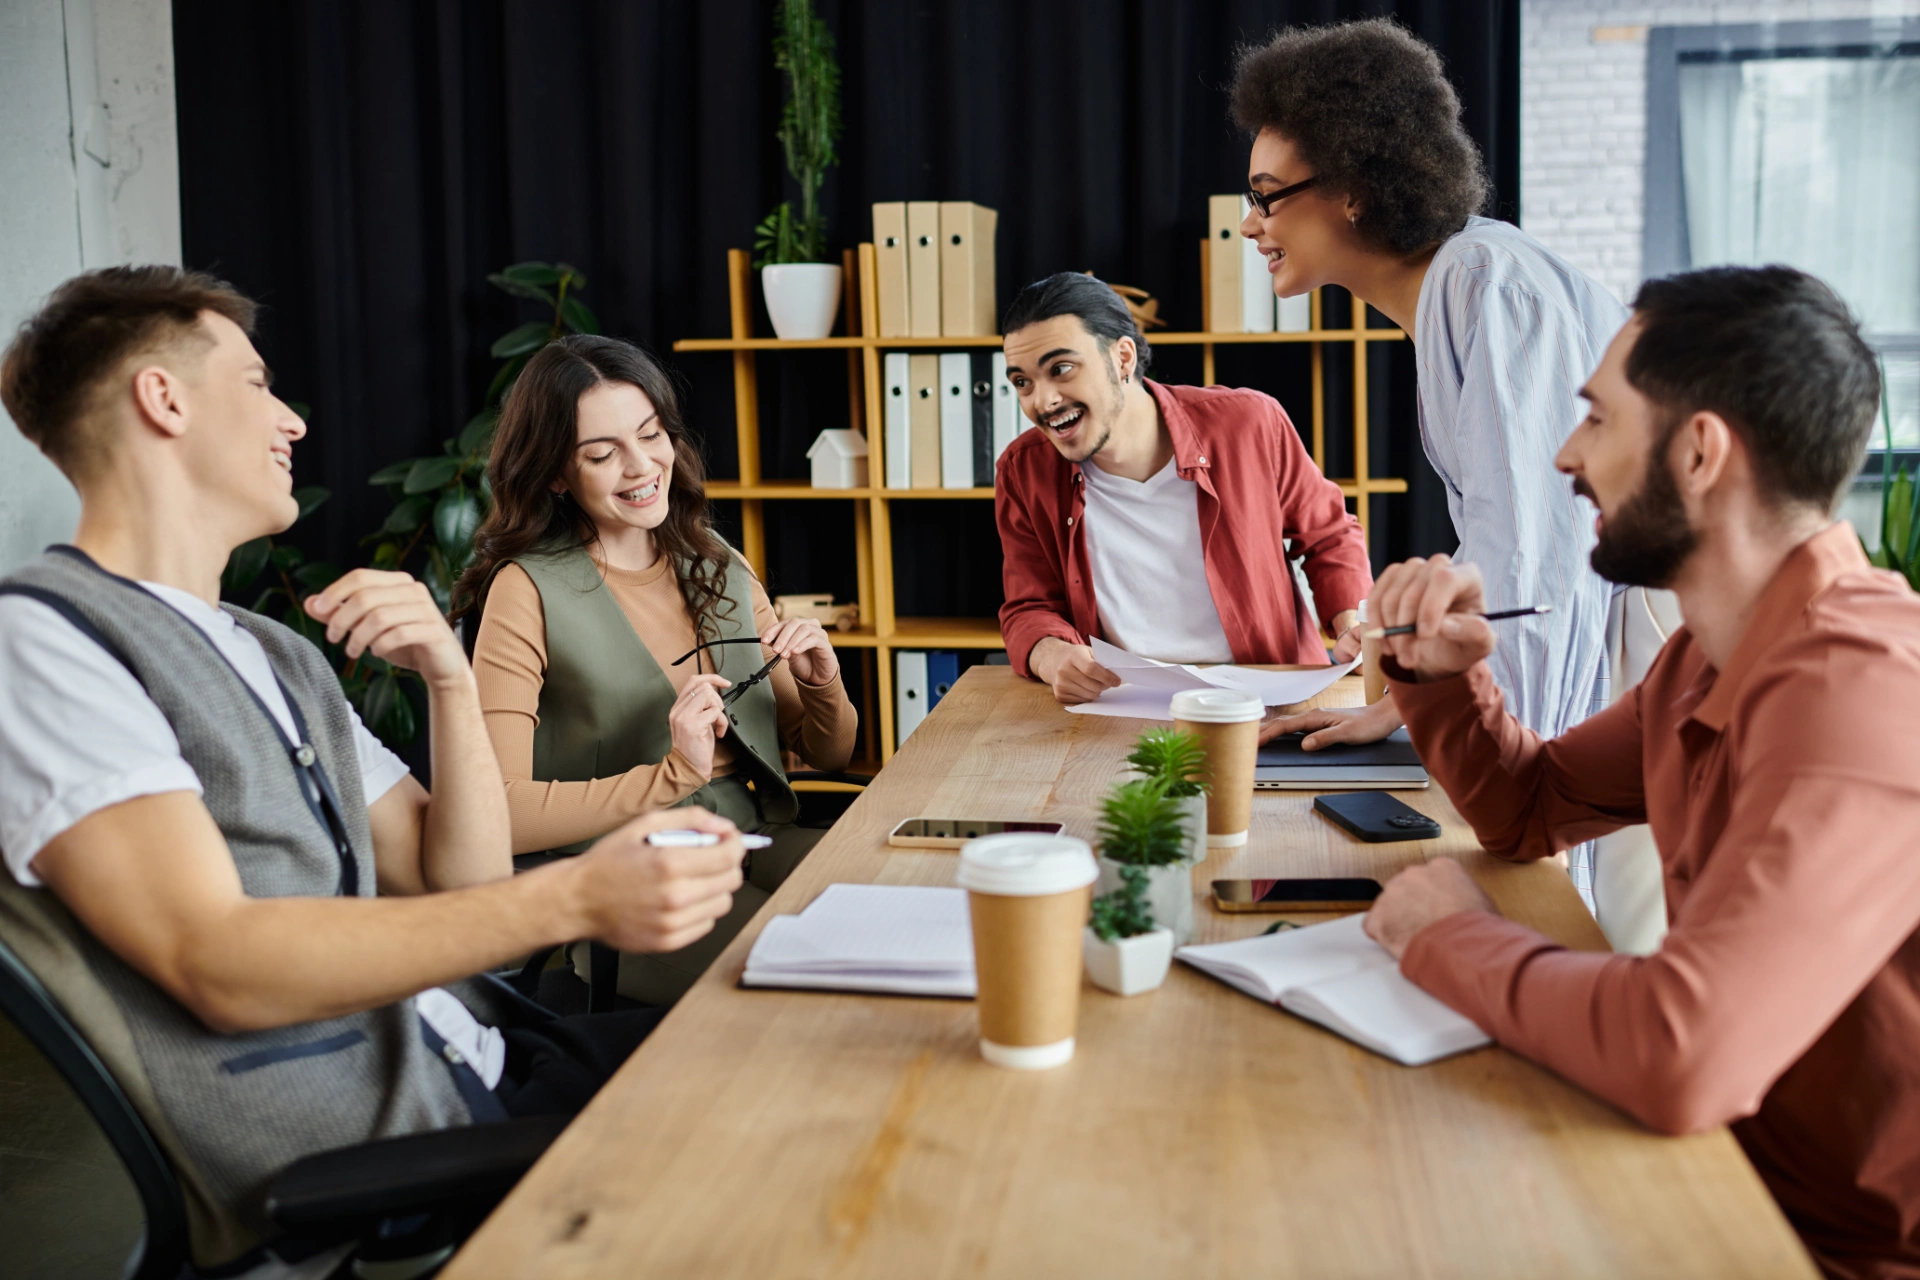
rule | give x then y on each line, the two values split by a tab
451	1177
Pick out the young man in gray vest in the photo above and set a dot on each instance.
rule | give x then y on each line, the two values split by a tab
247	905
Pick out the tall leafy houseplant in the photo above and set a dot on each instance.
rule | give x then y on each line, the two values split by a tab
809	128
1899	506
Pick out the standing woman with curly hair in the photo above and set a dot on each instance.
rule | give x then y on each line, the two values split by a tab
613	622
1362	176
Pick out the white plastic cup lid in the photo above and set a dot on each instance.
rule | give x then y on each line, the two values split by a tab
1217	706
1024	865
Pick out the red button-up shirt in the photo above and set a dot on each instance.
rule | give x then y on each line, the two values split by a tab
1258	488
1784	795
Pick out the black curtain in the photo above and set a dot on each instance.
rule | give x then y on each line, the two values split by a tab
360	165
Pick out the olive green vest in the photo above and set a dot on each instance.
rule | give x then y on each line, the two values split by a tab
604	705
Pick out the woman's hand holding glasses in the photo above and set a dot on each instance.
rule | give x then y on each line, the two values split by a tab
803	643
697	718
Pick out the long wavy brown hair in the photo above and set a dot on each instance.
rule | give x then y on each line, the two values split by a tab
531	447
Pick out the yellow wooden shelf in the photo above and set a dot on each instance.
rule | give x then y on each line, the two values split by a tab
780	490
872	645
834	344
1183	339
945	633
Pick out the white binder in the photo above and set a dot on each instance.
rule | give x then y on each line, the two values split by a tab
1007	418
899	437
956	420
1256	289
1296	314
909	693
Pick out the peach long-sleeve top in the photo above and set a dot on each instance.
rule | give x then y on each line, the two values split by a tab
1784	795
817	722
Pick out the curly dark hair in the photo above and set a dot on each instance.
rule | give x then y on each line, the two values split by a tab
1370	110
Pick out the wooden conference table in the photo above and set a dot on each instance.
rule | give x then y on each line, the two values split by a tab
1195	1133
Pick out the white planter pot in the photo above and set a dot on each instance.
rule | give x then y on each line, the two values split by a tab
802	298
1128	966
1169	895
1193	816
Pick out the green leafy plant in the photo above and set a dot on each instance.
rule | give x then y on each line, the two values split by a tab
1899	506
809	127
1140	825
1175	758
1124	913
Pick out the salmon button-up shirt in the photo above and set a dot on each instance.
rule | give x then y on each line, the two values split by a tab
1784	794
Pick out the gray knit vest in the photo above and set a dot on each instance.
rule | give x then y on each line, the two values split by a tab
232	1110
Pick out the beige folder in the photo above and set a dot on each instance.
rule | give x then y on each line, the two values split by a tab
966	269
923	410
923	269
1224	314
890	266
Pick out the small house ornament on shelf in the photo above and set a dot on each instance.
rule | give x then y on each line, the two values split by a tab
839	459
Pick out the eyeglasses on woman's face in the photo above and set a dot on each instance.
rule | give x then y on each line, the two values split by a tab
1265	200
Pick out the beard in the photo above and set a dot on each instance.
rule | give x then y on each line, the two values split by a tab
1645	542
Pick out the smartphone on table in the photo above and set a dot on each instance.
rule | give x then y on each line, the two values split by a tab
1335	894
951	833
1376	817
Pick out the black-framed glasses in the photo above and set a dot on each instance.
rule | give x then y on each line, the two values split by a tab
1265	200
734	692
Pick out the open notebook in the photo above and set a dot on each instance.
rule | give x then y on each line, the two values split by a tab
1337	976
899	939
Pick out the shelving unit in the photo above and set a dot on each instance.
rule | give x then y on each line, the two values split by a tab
881	631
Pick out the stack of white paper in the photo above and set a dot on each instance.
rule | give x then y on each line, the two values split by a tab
1149	686
900	939
1337	976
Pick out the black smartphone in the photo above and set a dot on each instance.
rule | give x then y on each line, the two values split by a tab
1295	895
1376	817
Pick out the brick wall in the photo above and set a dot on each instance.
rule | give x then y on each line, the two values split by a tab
1583	115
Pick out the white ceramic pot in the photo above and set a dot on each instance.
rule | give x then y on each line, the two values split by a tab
1128	966
1169	895
1193	816
802	298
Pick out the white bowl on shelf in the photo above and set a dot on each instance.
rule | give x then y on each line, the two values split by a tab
802	298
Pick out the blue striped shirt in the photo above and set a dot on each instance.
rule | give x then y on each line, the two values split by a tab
1505	334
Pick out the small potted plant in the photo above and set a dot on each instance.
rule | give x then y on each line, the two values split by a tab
802	289
1125	953
1179	763
1140	827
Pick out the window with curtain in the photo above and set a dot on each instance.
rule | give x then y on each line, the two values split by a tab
1800	144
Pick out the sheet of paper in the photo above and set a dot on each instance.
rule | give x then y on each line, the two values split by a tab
1295	957
1147	693
868	929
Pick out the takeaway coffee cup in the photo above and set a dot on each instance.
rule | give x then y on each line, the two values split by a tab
1028	895
1228	727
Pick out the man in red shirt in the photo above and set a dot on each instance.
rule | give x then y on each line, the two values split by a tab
1770	747
1156	517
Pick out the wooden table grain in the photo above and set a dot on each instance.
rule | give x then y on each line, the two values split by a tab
1195	1133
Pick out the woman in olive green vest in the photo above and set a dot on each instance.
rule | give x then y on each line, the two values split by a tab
621	642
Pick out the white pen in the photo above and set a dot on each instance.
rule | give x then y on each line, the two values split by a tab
701	839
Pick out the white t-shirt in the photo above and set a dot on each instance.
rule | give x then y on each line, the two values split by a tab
1149	572
79	734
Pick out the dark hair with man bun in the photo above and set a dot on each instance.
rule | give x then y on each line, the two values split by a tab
1071	293
1775	353
1371	113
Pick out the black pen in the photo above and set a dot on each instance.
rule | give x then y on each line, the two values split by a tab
1409	629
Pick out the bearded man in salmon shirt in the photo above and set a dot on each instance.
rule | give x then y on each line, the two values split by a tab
1770	749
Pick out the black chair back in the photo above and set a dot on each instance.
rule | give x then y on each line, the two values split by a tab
162	1253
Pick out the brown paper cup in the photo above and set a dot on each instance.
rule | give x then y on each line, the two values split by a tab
1370	669
1028	896
1228	727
